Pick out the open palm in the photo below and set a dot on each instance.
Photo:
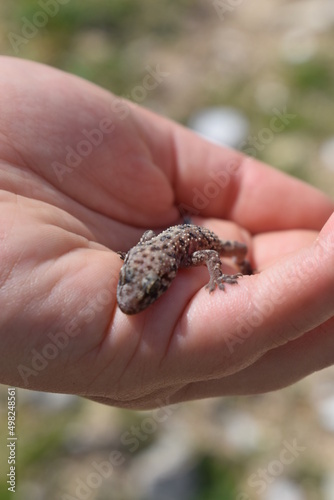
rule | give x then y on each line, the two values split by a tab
82	175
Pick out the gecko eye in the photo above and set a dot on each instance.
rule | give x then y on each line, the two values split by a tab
126	275
151	284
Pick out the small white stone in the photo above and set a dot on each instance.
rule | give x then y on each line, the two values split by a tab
325	409
222	125
285	489
326	153
241	431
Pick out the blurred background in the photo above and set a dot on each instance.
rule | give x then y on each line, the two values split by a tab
226	67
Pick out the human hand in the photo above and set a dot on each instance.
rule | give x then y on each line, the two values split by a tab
68	206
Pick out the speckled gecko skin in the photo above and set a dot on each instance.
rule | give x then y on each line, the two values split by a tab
151	265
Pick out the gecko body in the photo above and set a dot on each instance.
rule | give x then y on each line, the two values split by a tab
151	265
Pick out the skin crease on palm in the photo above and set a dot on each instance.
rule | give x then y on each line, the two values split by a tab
59	267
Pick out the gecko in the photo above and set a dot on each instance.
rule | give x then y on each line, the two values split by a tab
150	266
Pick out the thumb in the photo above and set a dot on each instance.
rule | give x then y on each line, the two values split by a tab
298	291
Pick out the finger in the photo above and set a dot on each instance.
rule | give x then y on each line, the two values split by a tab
214	181
222	333
268	247
265	248
207	179
57	295
278	368
80	142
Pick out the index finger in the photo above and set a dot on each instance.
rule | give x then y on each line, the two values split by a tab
214	181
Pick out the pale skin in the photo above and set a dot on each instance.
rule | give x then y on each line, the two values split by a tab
60	231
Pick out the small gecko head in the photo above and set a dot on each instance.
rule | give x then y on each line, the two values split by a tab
136	290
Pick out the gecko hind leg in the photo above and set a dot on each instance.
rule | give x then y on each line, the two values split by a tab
212	260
